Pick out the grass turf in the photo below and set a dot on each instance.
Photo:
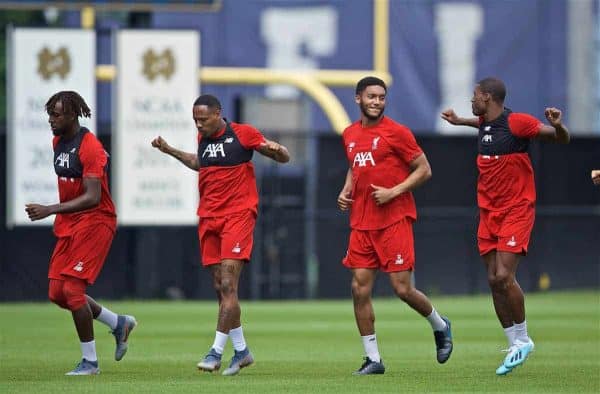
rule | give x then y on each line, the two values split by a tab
307	347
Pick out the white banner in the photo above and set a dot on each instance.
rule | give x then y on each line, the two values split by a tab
41	62
157	83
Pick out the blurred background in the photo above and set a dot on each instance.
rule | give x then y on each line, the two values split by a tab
289	68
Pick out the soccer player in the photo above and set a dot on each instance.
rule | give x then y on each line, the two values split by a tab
85	225
385	164
506	199
227	214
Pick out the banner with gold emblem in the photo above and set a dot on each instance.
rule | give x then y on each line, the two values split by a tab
157	83
41	62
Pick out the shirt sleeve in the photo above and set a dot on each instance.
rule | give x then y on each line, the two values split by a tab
524	125
404	143
249	137
93	157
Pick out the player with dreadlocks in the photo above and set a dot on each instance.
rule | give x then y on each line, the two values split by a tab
85	225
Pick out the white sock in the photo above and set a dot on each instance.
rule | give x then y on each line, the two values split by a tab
108	317
220	342
88	350
371	349
510	335
436	321
237	338
521	331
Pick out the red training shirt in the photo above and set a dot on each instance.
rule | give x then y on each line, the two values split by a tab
381	155
226	180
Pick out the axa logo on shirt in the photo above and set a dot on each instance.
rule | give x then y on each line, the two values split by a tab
362	158
62	160
212	150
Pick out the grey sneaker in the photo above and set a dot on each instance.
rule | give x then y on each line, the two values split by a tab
239	360
443	342
125	324
211	362
370	367
85	367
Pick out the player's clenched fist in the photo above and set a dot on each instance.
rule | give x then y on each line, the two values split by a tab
344	201
160	144
554	116
450	116
596	177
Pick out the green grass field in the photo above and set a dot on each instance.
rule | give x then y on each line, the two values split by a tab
307	347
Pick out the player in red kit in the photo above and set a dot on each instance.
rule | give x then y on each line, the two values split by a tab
506	199
85	225
385	165
227	214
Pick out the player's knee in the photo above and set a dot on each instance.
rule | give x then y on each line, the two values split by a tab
228	287
500	281
403	291
360	292
55	293
74	292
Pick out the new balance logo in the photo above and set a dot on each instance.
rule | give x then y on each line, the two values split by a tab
228	140
487	138
63	158
213	149
361	158
511	242
236	248
351	146
487	128
399	260
73	150
78	267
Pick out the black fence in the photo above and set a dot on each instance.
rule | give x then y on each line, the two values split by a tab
301	237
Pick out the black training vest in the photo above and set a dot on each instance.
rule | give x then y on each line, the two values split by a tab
495	137
66	156
223	151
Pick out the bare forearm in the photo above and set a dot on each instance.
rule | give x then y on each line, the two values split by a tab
471	122
81	203
416	178
190	160
348	181
282	155
562	134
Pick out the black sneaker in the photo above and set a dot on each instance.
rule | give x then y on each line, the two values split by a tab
443	342
370	367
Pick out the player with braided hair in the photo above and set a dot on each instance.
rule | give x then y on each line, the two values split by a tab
85	225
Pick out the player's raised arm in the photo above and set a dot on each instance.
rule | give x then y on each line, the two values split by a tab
450	116
557	131
190	160
274	150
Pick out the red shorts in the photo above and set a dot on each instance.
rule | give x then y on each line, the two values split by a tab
390	249
82	254
506	231
226	237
